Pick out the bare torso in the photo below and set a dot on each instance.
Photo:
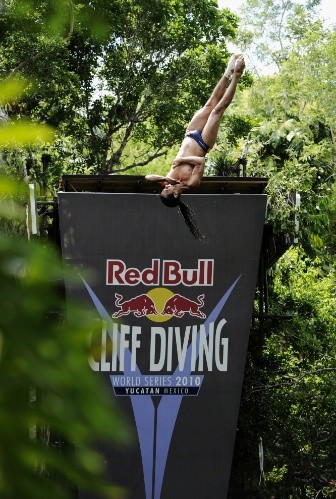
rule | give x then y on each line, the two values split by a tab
189	147
189	161
186	170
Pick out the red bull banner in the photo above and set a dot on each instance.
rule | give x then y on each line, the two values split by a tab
173	320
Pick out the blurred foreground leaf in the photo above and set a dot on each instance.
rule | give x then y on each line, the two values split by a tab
24	133
53	408
11	90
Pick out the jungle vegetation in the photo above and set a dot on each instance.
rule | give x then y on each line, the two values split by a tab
100	86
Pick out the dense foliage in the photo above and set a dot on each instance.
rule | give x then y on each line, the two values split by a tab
289	394
48	398
117	83
119	92
288	398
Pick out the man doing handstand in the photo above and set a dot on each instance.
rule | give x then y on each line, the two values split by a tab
188	167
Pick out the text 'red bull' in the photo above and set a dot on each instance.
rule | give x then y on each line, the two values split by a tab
161	272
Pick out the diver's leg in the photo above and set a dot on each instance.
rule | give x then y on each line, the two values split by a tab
200	118
211	127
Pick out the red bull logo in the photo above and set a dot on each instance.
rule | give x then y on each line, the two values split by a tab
161	272
140	305
170	304
179	305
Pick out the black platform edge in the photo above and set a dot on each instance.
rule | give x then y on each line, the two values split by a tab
138	184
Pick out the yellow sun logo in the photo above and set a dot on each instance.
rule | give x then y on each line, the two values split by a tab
159	297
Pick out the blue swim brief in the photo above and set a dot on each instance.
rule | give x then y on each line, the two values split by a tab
197	136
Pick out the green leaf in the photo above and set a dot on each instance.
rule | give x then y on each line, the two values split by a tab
11	90
16	134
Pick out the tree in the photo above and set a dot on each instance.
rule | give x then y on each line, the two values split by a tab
49	400
270	29
121	99
291	140
288	395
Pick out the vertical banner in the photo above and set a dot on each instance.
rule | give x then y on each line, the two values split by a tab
174	317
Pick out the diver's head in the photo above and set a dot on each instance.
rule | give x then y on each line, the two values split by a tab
170	195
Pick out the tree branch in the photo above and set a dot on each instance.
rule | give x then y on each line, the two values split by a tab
72	22
136	118
292	380
116	156
141	163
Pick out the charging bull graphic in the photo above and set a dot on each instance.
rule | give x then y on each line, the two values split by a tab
143	305
140	306
178	305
